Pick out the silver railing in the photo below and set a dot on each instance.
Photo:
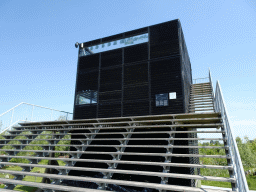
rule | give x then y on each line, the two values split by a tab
201	80
28	112
237	163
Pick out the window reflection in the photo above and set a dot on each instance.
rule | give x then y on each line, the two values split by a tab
86	97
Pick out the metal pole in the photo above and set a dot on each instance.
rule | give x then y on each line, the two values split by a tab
32	113
12	116
51	115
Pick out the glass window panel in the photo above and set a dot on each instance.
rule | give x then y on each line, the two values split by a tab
86	97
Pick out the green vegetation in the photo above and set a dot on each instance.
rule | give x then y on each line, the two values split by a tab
36	169
247	150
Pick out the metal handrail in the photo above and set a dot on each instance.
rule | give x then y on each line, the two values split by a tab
237	163
7	118
1	131
210	80
35	106
200	79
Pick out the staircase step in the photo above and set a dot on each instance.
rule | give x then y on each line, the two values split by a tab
202	107
110	161
157	132
137	127
192	96
121	153
201	84
109	181
158	174
200	95
7	190
201	90
46	186
203	104
201	110
134	146
100	120
201	101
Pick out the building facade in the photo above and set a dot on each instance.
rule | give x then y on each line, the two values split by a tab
141	72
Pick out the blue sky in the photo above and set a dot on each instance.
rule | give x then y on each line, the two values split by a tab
38	58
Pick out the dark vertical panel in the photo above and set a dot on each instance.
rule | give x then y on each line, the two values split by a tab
136	53
90	62
111	58
111	79
136	74
136	108
164	39
166	78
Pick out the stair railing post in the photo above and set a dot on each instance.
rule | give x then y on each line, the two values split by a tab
51	115
12	116
32	113
210	79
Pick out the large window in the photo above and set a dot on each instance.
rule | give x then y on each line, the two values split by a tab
86	97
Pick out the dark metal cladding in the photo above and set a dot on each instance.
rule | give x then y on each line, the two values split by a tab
147	78
135	75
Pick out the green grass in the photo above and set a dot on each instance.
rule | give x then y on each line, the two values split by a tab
27	178
251	180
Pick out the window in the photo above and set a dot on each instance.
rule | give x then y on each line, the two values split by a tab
162	100
86	97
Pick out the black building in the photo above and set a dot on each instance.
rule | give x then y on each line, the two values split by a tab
141	72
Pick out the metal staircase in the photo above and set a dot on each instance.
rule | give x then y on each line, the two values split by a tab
201	98
139	153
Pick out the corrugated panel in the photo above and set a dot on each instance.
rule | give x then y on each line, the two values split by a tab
166	48
136	92
164	32
136	74
110	96
87	81
111	79
109	110
88	62
85	111
136	108
136	53
111	58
